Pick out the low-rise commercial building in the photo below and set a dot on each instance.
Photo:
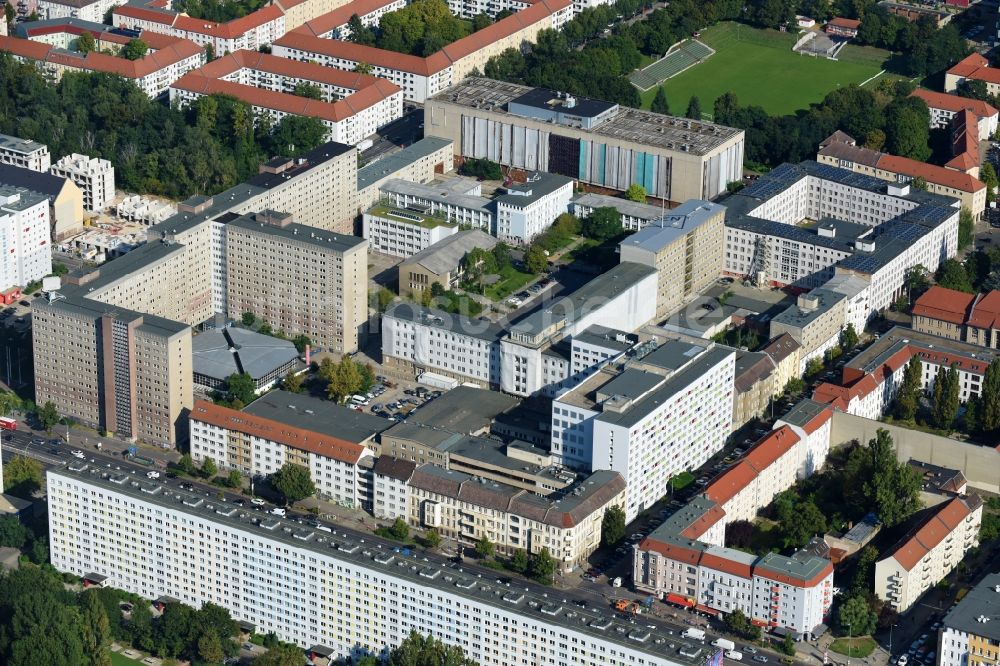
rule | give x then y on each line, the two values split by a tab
94	176
308	586
467	509
442	263
402	232
219	353
683	246
353	106
592	141
633	215
329	440
24	154
527	209
420	162
970	631
929	552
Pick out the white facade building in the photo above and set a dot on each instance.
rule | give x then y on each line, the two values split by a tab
24	237
312	587
970	635
80	9
457	200
530	208
94	176
401	233
24	153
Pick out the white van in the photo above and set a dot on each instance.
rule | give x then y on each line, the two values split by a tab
734	655
359	399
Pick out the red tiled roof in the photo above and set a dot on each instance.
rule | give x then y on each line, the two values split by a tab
263	62
771	574
817	422
671	551
773	445
321	25
986	311
143	14
833	395
726	565
931	532
976	67
231	29
841	22
731	482
275	431
702	524
932	174
432	64
955	103
944	304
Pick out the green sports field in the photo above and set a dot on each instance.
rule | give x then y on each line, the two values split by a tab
761	68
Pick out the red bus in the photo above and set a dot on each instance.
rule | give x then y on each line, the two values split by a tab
8	423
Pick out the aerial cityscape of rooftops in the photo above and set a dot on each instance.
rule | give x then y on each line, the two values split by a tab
513	333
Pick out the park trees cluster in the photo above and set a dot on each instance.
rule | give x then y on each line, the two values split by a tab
293	482
875	481
345	378
205	147
421	28
221	11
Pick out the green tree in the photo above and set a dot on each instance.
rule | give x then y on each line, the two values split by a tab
384	298
96	630
234	479
795	386
13	533
849	338
48	417
293	482
966	226
988	174
919	183
209	52
359	33
855	617
295	135
432	539
907	128
603	224
480	21
951	274
694	108
946	401
660	103
908	397
613	525
293	382
301	341
787	645
134	50
417	650
485	547
636	192
875	139
481	168
22	476
894	487
535	260
800	520
501	255
519	561
210	648
308	90
367	375
186	464
249	319
86	43
814	366
990	396
400	530
280	655
542	567
208	468
864	570
363	68
240	387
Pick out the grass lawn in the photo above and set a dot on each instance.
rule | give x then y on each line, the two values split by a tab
765	536
760	67
118	659
511	281
682	481
859	647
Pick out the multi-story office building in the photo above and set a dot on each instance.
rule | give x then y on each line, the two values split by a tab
352	107
420	162
331	441
24	153
125	371
456	200
180	279
594	142
64	197
970	632
528	209
24	237
422	77
85	10
402	232
299	279
342	590
664	413
466	508
929	552
683	246
94	176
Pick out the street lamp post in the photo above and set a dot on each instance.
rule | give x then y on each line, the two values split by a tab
849	645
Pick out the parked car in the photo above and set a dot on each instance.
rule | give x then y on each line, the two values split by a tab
760	659
152	474
278	511
78	454
256	501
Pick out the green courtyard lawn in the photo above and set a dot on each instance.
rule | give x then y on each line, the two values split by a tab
118	659
511	281
760	67
855	647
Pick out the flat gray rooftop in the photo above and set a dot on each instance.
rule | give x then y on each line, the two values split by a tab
982	601
624	206
387	559
463	409
803	412
322	416
446	255
328	240
370	174
453	192
477	328
673	225
798	317
17	144
626	124
876	354
220	352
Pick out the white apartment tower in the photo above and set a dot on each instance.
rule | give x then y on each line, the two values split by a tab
24	237
24	153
